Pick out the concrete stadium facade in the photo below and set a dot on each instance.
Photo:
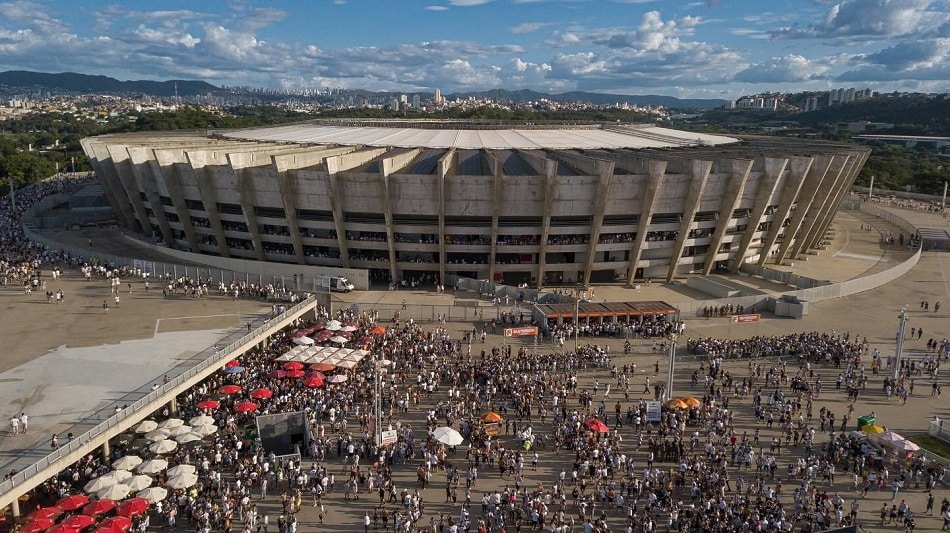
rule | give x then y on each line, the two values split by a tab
534	204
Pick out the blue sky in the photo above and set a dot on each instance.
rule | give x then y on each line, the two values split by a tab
705	48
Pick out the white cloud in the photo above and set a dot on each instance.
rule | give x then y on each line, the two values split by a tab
468	3
785	69
437	8
528	27
868	19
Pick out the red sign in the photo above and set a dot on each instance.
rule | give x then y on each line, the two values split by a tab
521	332
741	319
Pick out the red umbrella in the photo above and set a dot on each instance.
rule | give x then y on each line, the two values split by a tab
72	502
62	528
294	374
260	394
79	521
245	407
36	525
293	365
46	512
232	362
316	374
132	507
114	524
367	340
277	374
314	382
209	404
229	389
596	425
378	330
323	336
98	507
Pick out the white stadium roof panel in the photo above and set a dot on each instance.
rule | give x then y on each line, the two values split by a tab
501	138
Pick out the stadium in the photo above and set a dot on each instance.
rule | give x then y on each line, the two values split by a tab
535	204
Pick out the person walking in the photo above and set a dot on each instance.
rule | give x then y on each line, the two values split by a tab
15	425
24	422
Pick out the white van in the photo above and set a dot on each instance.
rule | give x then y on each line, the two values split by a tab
336	283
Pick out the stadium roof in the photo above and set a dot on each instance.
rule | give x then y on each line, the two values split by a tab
526	137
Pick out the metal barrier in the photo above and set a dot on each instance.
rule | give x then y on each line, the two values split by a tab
84	443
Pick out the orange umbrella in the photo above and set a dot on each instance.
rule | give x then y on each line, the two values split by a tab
322	367
691	401
492	417
678	404
378	330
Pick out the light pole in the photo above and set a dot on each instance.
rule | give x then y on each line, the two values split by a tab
900	342
577	317
669	375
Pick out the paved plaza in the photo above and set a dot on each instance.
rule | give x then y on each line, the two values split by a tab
74	361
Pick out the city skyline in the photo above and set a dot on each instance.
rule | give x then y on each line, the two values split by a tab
707	49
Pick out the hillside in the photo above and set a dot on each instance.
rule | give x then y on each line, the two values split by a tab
84	83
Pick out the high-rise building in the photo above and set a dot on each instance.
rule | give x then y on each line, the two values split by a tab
437	97
416	101
811	104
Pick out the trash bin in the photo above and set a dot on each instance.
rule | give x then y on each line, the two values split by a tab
866	420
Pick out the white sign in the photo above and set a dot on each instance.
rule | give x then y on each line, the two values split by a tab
388	437
654	411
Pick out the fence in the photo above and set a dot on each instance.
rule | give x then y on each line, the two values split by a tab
937	430
208	360
163	270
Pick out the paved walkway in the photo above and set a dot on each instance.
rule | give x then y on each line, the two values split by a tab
70	383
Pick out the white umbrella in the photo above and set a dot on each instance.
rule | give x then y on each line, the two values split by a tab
152	466
163	446
188	437
180	469
337	378
127	463
205	430
139	482
179	430
114	492
201	420
95	485
118	476
153	494
340	339
157	434
448	436
171	423
347	328
303	341
182	481
145	426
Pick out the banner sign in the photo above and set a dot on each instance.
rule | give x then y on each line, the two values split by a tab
654	411
388	437
742	319
521	332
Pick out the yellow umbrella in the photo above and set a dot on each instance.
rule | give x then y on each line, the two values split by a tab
871	428
492	418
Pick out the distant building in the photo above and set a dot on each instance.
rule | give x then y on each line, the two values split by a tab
437	97
862	126
416	101
811	104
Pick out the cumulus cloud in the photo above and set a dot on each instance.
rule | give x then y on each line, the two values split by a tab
868	19
787	69
923	59
528	27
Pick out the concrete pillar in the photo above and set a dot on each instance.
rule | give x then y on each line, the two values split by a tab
15	508
202	176
139	157
739	171
171	164
773	169
699	174
654	177
387	167
806	195
843	190
797	170
604	172
445	162
827	189
120	160
336	204
106	451
173	406
498	196
106	172
550	184
247	197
